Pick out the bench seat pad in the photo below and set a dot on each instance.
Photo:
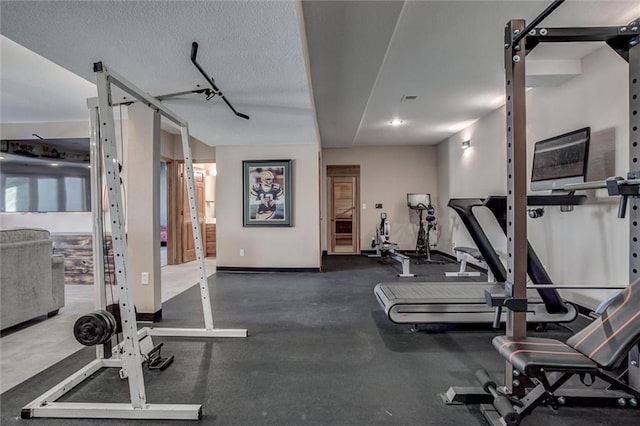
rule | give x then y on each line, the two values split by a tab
531	354
473	252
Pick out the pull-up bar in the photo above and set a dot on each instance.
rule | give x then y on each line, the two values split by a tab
216	91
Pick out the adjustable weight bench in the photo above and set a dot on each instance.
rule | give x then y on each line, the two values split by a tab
595	351
464	255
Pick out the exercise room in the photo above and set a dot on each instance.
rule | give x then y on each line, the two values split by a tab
311	212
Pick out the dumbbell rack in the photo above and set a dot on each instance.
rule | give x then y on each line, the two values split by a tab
130	360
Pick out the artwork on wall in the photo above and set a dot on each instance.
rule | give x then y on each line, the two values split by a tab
267	193
38	149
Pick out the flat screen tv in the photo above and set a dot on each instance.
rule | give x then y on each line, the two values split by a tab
560	160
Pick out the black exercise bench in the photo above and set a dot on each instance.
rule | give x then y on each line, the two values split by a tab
596	351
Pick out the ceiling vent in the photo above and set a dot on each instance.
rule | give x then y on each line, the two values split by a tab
408	98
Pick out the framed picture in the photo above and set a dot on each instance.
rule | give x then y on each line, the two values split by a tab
267	193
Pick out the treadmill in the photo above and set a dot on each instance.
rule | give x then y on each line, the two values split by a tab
464	302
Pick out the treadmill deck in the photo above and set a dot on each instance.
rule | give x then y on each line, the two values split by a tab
452	302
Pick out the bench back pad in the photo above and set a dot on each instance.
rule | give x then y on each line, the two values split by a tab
608	339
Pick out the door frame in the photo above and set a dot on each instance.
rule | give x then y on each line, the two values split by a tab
348	171
174	236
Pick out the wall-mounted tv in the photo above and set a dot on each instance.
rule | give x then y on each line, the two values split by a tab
560	160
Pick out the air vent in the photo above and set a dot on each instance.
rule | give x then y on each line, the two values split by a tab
408	98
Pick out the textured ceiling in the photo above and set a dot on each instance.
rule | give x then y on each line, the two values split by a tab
363	57
34	89
253	50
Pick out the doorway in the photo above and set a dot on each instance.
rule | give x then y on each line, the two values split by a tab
164	258
343	207
186	224
180	242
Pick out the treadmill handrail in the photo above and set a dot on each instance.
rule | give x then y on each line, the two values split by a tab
464	206
538	274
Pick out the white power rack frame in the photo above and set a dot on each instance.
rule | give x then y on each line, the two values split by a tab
130	359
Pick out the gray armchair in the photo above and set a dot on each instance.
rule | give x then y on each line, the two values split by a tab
31	276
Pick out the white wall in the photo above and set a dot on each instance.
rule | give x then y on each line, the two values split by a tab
142	205
291	247
587	246
171	147
387	174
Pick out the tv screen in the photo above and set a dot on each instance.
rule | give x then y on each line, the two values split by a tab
560	160
415	201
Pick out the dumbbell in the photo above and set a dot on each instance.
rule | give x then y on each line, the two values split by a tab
500	402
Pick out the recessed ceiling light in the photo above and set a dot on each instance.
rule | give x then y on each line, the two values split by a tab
396	122
54	164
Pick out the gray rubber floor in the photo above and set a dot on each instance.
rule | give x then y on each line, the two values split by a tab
320	352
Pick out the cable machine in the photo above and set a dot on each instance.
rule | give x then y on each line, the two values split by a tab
136	347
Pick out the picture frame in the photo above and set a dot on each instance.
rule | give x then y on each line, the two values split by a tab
267	193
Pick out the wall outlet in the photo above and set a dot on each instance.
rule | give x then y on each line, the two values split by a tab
241	252
364	206
144	279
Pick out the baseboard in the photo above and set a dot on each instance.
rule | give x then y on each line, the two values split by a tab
149	317
268	270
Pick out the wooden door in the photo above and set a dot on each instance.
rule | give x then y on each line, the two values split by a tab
188	244
174	213
344	227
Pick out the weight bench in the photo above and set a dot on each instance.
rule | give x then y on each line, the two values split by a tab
593	352
464	255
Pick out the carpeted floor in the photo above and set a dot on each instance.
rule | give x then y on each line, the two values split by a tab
320	352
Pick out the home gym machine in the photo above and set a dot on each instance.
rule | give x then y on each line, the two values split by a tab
614	336
385	248
136	347
421	203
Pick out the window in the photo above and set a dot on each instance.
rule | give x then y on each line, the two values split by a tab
44	188
74	191
17	194
47	194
